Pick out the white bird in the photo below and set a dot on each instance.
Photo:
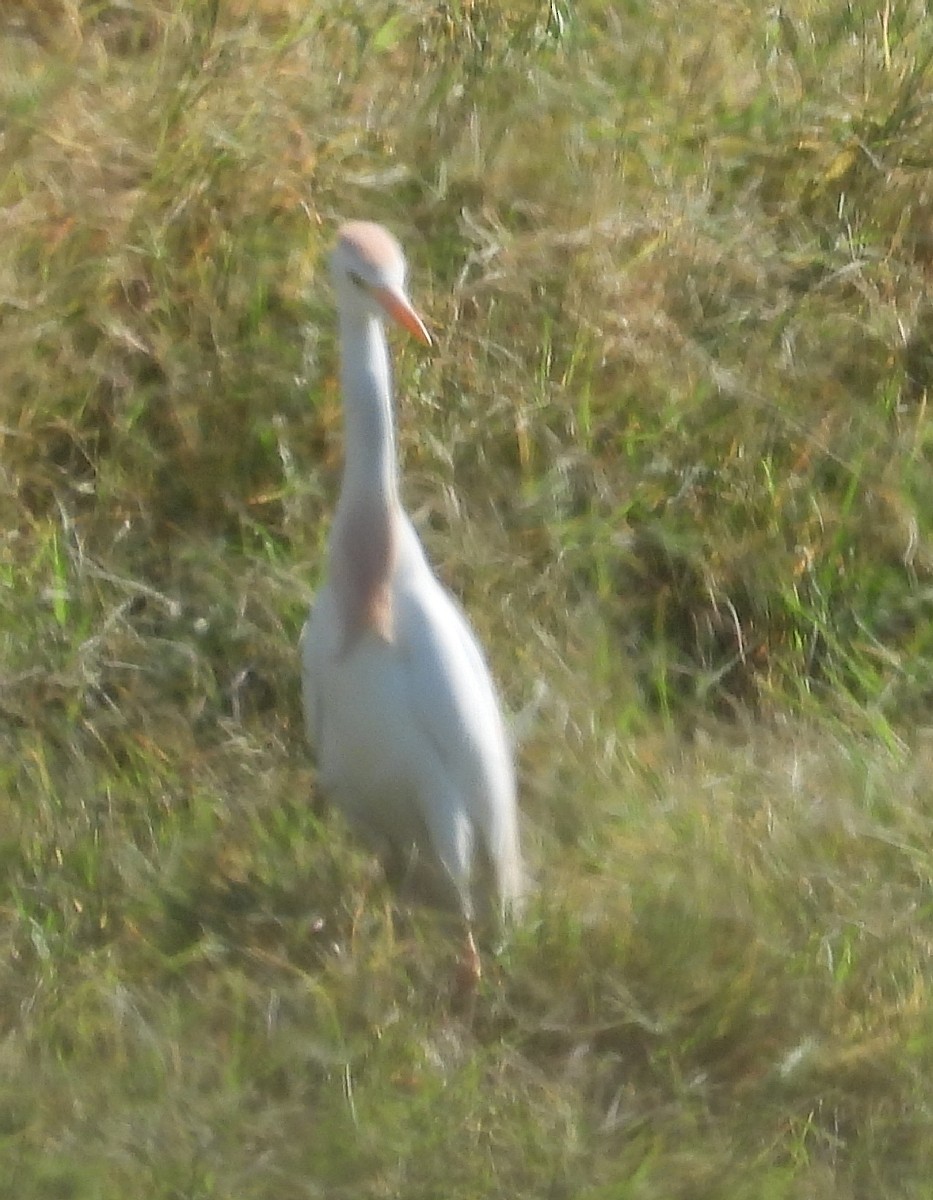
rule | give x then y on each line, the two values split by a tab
399	703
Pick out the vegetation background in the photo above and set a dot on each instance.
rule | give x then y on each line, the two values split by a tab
672	450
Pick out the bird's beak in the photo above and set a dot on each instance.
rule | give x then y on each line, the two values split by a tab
399	308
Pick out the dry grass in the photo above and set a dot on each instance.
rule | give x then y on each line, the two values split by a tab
672	449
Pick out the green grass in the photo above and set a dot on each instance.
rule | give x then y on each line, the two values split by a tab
672	449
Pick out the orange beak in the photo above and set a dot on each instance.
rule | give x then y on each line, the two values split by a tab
399	308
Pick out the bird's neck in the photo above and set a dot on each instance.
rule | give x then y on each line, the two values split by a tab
370	472
365	536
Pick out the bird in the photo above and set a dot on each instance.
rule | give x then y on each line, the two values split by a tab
399	703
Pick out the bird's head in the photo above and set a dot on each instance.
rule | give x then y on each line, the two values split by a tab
368	269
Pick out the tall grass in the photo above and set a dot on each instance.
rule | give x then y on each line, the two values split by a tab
671	449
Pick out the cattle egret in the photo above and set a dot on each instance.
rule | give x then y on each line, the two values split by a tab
399	703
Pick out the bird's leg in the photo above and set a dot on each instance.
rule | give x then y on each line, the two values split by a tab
469	966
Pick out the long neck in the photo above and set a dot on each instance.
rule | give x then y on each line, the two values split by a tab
364	542
370	468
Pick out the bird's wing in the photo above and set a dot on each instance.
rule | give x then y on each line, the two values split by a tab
452	697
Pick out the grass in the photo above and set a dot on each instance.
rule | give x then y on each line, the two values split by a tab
672	450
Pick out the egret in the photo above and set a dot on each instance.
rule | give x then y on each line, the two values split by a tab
399	703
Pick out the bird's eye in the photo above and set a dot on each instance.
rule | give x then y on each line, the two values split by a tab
356	280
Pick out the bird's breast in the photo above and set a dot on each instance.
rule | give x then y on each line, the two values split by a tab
364	549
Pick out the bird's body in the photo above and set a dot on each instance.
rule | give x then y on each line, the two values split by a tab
399	702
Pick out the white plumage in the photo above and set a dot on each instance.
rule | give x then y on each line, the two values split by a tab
399	702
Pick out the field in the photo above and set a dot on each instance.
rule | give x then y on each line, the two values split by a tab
672	450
